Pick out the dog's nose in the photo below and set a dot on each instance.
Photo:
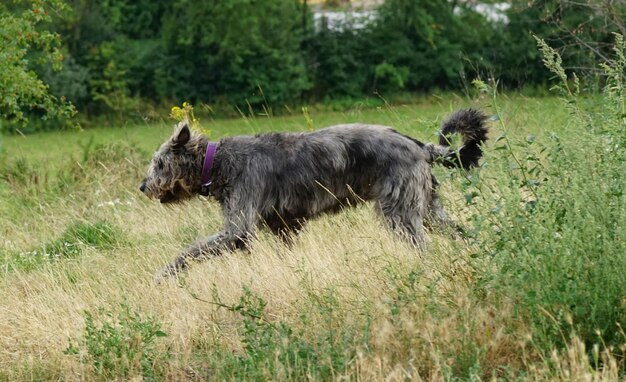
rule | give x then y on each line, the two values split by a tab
142	187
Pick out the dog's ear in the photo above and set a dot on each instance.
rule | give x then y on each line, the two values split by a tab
181	137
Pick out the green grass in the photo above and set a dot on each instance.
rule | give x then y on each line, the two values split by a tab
535	293
71	244
55	148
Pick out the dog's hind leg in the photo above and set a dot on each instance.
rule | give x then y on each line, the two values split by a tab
405	222
284	228
438	218
408	227
403	201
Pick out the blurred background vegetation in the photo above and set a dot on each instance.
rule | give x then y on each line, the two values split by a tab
125	59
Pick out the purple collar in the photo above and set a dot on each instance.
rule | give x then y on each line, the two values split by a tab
211	147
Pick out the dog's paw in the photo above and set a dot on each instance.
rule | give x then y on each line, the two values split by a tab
169	272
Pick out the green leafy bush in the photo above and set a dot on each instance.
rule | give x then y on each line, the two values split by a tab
120	345
388	77
24	39
276	350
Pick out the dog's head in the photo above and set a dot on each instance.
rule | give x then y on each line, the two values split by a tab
176	168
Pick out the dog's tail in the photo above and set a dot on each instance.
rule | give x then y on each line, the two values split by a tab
471	125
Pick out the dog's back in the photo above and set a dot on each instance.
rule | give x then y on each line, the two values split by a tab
304	174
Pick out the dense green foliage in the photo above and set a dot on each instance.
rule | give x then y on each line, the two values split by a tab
22	42
119	57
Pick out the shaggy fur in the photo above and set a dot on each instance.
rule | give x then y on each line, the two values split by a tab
280	180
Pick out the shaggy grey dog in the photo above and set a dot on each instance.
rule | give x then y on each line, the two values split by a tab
280	180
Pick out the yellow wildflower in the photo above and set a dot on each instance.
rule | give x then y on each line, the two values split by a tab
185	113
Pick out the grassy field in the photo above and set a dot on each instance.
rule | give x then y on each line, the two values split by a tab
536	292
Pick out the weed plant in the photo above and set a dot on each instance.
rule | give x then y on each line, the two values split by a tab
557	228
120	345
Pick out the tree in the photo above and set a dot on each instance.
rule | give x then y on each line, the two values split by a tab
112	50
241	52
425	43
338	61
581	31
24	41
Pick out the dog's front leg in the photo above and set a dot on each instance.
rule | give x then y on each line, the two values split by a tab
213	246
240	225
